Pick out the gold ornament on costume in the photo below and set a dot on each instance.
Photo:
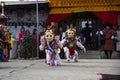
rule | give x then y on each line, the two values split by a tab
70	45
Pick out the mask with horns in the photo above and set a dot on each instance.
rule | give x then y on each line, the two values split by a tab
49	35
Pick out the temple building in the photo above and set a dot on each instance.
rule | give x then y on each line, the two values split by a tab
98	13
106	10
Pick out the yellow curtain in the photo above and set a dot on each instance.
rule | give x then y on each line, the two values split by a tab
72	6
82	9
71	3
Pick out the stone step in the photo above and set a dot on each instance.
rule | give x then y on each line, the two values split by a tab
96	54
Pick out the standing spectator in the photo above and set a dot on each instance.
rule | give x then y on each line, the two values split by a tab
86	33
35	42
99	37
109	43
42	52
62	36
20	37
54	27
27	45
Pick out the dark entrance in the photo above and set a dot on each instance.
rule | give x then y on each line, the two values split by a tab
79	20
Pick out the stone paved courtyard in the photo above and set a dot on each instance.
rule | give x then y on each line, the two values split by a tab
85	69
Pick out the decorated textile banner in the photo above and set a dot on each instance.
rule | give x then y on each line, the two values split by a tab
76	3
83	9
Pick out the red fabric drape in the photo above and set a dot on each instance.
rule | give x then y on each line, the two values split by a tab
57	18
108	16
